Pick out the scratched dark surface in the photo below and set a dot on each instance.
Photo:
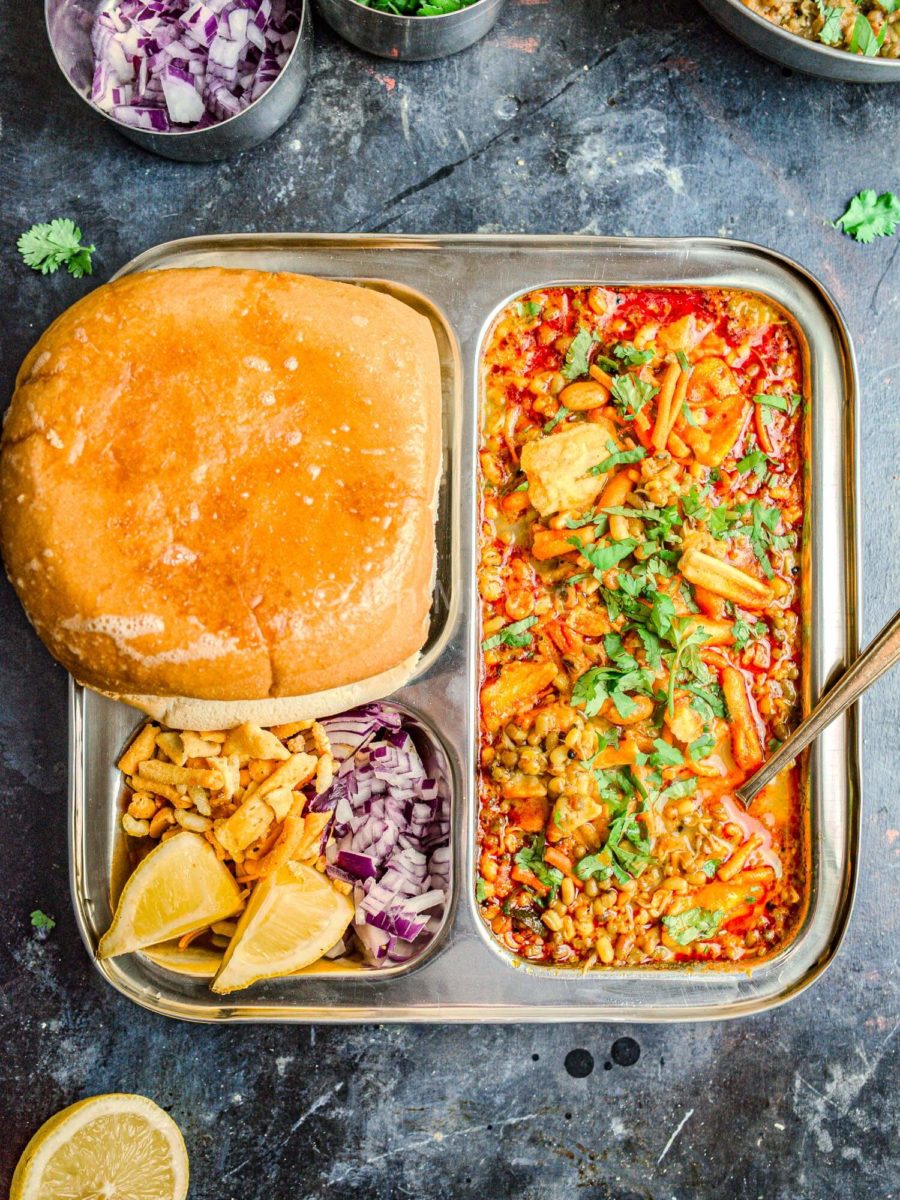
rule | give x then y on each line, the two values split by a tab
617	117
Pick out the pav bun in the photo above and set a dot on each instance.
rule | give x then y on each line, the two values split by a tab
217	493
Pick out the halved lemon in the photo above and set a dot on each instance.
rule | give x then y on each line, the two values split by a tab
108	1146
200	962
293	917
179	886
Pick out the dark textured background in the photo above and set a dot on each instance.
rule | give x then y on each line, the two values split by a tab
612	117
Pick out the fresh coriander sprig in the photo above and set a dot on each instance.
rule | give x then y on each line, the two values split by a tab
41	923
869	216
47	247
511	635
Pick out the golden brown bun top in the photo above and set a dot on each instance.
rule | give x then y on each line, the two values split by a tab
220	484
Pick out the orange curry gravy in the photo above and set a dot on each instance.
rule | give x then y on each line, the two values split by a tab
640	558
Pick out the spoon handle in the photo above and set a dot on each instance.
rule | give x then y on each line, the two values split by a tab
878	657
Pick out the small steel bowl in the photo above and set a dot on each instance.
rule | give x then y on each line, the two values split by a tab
412	39
800	54
69	24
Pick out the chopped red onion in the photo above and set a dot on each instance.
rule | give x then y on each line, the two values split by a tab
389	835
166	65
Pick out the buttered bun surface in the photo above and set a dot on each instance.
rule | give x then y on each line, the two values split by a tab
217	492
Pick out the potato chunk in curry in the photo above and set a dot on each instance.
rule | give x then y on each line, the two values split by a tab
559	466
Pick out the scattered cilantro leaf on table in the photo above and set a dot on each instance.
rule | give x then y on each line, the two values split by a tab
47	247
869	216
41	922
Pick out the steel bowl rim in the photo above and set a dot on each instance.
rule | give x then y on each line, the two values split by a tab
178	133
402	18
828	53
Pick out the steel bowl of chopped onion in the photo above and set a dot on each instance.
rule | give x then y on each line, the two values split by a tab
411	30
195	80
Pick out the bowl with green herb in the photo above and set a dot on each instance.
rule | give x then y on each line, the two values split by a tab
411	30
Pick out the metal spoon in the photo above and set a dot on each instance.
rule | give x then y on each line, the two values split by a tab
878	657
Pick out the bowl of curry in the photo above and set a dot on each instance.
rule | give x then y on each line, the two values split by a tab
639	571
853	40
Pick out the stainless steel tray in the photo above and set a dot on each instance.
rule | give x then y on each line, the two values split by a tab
462	282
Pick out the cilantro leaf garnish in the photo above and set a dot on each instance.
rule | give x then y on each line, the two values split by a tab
830	33
721	521
631	356
531	858
869	216
511	635
626	827
701	747
599	684
528	309
756	461
578	354
554	421
786	404
617	653
706	700
692	502
630	394
41	922
594	866
665	755
864	39
602	558
693	925
618	458
417	8
678	790
687	642
652	646
49	246
741	632
764	522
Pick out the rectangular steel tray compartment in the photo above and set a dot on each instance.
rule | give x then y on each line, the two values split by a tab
461	282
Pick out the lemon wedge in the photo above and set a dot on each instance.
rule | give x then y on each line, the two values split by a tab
118	1145
200	962
179	886
292	918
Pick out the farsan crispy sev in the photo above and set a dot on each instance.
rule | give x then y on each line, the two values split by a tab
240	788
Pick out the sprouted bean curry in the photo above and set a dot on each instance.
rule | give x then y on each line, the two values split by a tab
640	557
